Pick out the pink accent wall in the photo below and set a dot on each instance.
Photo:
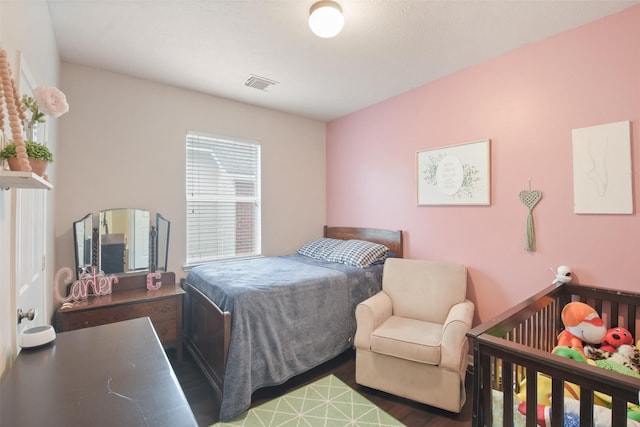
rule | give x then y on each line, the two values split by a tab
527	102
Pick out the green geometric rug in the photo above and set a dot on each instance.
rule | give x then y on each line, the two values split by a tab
327	402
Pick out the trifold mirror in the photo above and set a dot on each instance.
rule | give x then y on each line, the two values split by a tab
121	242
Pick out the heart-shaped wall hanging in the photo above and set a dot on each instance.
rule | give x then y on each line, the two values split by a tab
530	198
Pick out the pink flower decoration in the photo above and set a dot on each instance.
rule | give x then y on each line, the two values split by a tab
51	100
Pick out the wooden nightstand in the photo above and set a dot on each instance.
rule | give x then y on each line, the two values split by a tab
130	299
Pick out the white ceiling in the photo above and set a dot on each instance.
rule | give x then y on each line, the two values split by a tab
387	47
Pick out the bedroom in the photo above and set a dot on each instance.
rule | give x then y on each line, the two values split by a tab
527	102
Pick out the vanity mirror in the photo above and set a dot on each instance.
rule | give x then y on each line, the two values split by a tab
121	242
162	242
83	241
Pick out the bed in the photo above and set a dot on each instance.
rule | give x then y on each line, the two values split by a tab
248	330
512	349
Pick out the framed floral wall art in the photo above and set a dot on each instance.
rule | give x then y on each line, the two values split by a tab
455	175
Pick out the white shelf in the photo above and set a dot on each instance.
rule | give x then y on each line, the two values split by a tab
11	179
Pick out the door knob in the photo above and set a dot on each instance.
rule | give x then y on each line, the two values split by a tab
29	315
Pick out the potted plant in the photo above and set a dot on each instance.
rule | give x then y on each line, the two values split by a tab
39	156
30	123
45	101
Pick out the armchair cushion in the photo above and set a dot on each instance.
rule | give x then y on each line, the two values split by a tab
408	339
370	314
424	290
454	335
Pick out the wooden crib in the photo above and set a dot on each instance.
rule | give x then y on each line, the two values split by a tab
517	344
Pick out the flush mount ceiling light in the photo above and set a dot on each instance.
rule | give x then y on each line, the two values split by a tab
325	18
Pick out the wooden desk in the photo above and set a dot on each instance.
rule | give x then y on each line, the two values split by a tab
110	375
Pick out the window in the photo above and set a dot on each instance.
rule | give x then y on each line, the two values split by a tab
223	198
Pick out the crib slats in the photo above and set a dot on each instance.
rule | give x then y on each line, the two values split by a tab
507	378
619	413
557	404
547	342
485	373
586	407
532	404
615	320
598	305
631	322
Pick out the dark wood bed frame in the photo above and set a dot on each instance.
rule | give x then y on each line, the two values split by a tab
207	329
520	342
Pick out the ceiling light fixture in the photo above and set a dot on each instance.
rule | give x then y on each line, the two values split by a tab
325	18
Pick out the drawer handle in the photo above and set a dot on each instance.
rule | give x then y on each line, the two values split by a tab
164	309
164	331
85	323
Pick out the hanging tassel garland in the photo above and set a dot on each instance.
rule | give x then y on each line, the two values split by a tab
530	198
530	245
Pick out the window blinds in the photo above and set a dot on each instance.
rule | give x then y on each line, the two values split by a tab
223	198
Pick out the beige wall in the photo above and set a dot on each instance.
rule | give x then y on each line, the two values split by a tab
26	27
122	144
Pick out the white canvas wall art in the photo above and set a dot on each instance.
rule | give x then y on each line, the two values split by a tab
602	181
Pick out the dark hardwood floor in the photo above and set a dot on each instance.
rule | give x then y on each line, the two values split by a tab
200	394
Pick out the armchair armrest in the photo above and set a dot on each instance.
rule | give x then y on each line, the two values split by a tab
454	339
370	314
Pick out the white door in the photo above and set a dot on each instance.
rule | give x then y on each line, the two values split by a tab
139	245
29	243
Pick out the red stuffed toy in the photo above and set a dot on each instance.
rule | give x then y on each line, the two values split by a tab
614	338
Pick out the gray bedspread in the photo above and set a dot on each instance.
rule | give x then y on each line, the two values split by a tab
288	315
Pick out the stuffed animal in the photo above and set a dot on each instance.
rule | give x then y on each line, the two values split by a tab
614	338
627	356
569	353
571	390
563	275
582	324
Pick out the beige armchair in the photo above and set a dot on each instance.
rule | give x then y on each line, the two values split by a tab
410	338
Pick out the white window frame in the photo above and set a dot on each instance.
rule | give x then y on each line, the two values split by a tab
214	229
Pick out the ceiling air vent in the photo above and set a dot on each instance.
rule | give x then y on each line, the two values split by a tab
259	83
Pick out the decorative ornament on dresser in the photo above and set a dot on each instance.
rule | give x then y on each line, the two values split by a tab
27	151
91	283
